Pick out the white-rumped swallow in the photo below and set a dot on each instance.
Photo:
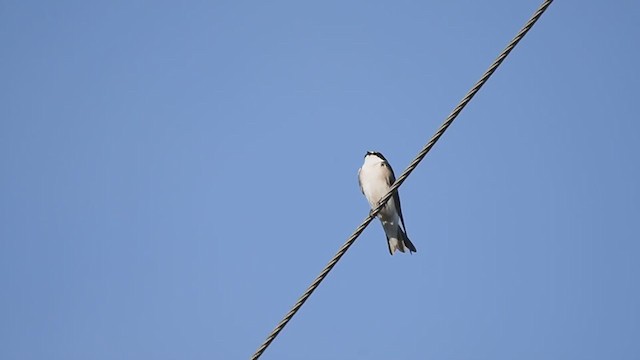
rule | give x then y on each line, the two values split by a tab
375	178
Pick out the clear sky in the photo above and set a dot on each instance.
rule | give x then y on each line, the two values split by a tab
175	174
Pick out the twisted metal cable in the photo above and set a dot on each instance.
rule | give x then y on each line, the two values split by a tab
445	125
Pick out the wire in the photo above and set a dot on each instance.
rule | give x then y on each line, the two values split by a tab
445	125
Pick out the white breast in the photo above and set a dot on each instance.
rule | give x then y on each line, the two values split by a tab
373	179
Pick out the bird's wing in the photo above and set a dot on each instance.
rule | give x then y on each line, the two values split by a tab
391	178
360	181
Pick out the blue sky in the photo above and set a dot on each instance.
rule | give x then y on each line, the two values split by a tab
175	174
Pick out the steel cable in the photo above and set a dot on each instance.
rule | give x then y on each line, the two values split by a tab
445	125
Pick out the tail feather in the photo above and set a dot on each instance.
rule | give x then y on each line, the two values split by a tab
394	244
405	239
398	242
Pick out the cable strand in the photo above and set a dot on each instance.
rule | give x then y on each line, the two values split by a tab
421	155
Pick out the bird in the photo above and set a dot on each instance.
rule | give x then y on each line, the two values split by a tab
375	178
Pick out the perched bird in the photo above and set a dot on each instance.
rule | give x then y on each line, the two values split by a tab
375	178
